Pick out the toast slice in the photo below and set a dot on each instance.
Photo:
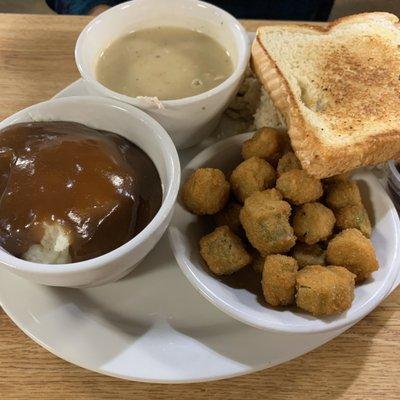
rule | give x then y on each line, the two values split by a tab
338	88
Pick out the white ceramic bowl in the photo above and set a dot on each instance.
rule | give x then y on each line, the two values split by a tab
185	232
188	120
139	128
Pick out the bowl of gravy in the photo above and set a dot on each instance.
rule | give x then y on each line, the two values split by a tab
87	189
180	61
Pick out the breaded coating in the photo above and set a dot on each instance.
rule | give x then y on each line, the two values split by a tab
313	222
267	225
324	290
272	194
230	216
252	175
306	254
266	143
354	216
258	262
336	178
206	191
342	193
279	280
351	249
266	195
288	162
298	187
223	251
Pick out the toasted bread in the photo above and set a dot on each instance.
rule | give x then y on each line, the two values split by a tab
338	88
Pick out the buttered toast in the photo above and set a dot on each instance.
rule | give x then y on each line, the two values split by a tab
338	88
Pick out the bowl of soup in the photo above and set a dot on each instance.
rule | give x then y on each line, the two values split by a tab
180	61
87	186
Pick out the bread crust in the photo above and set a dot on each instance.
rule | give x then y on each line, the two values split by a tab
318	158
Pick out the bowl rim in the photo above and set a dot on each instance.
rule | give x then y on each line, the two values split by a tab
189	269
242	43
170	189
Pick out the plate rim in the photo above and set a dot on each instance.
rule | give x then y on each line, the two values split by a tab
130	378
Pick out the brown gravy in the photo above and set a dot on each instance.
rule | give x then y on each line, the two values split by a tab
99	187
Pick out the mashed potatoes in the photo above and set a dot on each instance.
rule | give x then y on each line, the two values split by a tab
53	248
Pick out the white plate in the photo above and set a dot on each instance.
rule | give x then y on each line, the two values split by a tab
244	304
151	326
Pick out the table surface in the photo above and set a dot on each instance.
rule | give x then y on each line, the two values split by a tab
36	61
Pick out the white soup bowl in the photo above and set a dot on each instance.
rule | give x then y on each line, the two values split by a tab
188	120
140	129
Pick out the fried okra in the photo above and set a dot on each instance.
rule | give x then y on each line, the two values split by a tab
266	143
306	254
266	195
313	222
353	216
351	249
258	262
298	187
206	191
342	193
279	280
252	175
230	216
324	290
272	194
267	225
223	251
288	162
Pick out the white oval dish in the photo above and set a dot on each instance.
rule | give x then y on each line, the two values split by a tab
188	120
185	233
139	128
217	345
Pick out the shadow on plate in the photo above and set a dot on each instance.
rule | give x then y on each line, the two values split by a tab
366	199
